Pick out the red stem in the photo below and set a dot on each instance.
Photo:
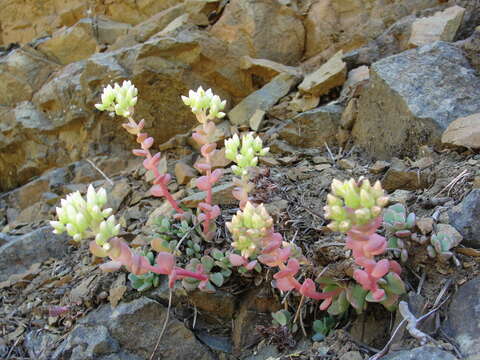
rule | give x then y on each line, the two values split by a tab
186	273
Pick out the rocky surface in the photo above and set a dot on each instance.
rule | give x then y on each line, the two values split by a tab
413	97
421	353
463	132
464	307
463	216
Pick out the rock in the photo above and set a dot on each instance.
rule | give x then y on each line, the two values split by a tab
398	176
371	328
262	99
40	344
109	31
443	25
184	172
351	355
462	324
400	196
221	195
112	334
422	353
39	245
303	102
252	26
22	72
118	193
379	166
398	112
349	115
266	69
71	44
451	232
346	164
4	238
218	160
313	128
464	217
464	131
471	47
333	25
357	80
256	120
330	75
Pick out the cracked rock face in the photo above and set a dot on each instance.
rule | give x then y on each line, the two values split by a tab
130	331
413	97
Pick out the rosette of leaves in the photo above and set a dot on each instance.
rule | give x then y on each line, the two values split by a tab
323	327
440	245
399	228
168	235
145	281
218	268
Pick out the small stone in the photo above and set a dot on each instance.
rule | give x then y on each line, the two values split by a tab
425	225
322	167
400	196
330	75
268	161
464	131
262	99
379	167
423	163
349	115
303	102
443	25
256	120
266	69
321	160
351	355
421	353
357	79
399	177
346	164
184	172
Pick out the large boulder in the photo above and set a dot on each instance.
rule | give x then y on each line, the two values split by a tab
262	29
130	331
462	322
412	98
19	253
333	25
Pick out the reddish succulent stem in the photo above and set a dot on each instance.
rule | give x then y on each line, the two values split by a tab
186	273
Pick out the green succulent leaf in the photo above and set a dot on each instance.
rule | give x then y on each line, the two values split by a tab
339	305
356	296
395	284
281	317
217	254
217	279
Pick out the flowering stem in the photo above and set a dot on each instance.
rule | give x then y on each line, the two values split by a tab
186	273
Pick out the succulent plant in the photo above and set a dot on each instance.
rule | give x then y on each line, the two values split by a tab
399	228
119	99
440	245
246	155
205	104
145	281
322	327
217	269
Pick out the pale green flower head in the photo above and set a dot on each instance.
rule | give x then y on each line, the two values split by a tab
205	104
353	203
81	217
249	227
119	99
244	154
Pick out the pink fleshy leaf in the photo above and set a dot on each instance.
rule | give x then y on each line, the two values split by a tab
237	260
139	265
251	265
207	149
291	270
202	183
141	137
110	266
381	268
326	303
376	244
147	143
395	266
199	138
287	283
139	152
141	124
165	263
362	278
157	191
97	250
378	294
216	175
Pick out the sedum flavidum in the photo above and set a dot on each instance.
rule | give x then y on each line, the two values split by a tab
81	217
205	105
249	227
119	99
246	155
354	203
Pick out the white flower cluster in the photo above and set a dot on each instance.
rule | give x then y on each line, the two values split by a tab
248	155
81	218
119	99
200	101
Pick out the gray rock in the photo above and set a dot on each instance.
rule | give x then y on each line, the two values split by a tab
421	353
40	343
313	128
263	98
463	319
464	217
413	97
130	331
4	238
17	255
